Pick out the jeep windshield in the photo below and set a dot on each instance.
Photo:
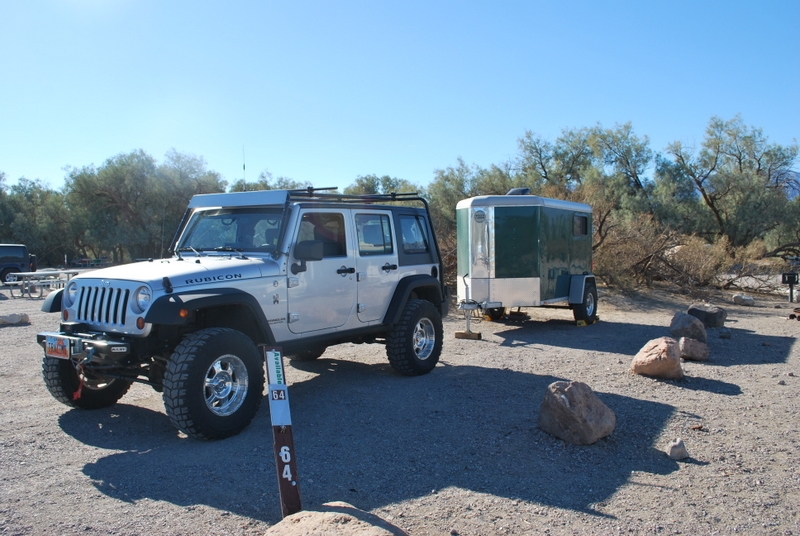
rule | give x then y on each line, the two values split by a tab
227	230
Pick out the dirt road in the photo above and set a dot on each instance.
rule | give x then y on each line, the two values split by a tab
455	452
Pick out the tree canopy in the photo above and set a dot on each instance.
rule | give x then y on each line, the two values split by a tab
735	190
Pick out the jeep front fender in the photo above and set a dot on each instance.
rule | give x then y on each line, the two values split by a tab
167	310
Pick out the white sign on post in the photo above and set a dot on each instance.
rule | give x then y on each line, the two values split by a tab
283	440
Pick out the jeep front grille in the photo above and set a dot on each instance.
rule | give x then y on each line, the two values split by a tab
102	306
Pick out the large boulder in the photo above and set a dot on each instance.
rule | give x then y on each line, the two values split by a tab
659	358
693	350
573	412
684	325
710	315
334	519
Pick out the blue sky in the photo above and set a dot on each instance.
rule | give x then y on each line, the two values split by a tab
325	91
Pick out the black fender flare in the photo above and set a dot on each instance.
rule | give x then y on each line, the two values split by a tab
166	310
404	289
52	303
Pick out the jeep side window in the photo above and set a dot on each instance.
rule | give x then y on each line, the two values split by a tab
412	231
327	227
374	234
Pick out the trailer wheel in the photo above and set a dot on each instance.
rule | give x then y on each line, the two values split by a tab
587	310
495	313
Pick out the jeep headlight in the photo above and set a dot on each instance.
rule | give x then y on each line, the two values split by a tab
70	294
141	299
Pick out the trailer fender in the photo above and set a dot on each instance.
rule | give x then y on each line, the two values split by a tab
577	284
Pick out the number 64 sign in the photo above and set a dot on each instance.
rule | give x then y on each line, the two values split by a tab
283	441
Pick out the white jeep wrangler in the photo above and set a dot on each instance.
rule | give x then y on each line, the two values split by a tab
295	269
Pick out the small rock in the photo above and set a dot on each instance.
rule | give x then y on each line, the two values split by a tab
724	333
685	325
710	315
790	373
676	450
659	358
334	518
14	318
781	382
693	350
742	299
573	412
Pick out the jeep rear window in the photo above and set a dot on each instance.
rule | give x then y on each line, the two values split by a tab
248	229
412	229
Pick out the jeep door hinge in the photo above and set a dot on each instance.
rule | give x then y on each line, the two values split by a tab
362	307
294	317
361	276
292	282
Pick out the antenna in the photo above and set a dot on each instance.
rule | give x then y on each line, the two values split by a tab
244	177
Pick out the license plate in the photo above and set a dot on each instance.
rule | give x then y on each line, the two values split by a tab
56	347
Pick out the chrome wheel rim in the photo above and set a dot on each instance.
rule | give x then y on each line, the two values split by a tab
225	385
589	304
424	339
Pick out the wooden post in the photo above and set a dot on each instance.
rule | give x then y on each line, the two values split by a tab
283	441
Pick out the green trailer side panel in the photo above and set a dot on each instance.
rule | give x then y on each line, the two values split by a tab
556	248
516	241
462	236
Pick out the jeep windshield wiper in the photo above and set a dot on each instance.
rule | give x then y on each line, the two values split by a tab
188	248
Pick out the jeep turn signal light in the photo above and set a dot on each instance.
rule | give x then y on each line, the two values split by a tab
65	315
140	322
183	313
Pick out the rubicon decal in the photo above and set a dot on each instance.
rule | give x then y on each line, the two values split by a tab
213	278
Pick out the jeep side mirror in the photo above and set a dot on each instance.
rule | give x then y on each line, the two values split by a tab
307	250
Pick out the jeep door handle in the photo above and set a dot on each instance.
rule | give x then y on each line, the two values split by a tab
345	270
388	267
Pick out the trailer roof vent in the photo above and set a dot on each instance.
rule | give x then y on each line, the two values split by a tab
519	191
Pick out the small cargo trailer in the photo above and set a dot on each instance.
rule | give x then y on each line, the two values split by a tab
520	250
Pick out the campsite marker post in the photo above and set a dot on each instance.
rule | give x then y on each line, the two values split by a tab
283	441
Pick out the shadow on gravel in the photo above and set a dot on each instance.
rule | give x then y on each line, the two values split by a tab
235	475
371	438
627	339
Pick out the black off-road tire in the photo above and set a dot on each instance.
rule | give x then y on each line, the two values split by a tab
63	382
214	383
415	343
587	309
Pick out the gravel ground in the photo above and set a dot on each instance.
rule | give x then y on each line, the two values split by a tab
455	452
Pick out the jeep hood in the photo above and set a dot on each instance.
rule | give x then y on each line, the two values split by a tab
189	272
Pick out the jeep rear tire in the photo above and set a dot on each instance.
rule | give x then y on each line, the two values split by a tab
83	391
213	383
415	343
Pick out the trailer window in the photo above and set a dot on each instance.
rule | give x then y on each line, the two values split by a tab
580	225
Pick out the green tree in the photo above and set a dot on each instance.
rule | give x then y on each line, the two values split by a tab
265	181
743	180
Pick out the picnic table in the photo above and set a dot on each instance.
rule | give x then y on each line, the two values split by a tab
34	284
